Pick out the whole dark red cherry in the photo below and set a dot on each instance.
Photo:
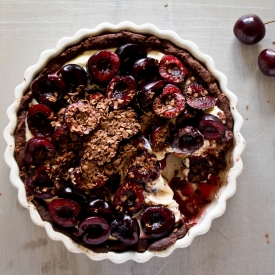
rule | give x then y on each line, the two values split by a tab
39	184
125	229
145	69
128	54
103	66
94	230
37	150
249	29
48	88
39	120
157	221
266	62
72	193
100	207
187	140
73	75
64	212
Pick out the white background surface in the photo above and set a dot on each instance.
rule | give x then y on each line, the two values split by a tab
237	242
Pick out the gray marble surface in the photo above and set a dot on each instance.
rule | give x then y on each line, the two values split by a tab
239	242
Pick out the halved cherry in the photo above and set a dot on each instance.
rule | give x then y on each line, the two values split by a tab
39	120
103	66
100	207
145	68
170	102
73	75
40	184
145	167
197	97
211	127
159	137
187	140
149	91
172	70
125	229
157	221
121	90
128	54
64	212
37	150
48	89
81	118
129	197
94	230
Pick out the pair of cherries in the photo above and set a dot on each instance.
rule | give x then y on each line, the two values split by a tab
250	29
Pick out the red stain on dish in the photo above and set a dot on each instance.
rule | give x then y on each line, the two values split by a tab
193	197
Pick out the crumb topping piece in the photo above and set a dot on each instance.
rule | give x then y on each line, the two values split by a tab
88	175
124	158
83	117
102	145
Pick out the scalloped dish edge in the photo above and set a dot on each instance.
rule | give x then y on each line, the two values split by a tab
212	211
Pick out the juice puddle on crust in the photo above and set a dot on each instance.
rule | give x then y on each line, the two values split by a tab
193	197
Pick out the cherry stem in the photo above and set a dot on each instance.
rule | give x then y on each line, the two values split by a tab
269	22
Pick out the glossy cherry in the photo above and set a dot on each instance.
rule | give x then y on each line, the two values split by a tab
73	75
103	66
48	89
157	221
187	140
249	29
120	91
37	150
129	197
172	70
211	127
125	229
39	120
64	212
266	62
145	69
128	54
170	103
100	207
94	230
72	193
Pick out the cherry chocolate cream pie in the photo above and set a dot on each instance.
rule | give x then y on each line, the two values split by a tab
122	141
